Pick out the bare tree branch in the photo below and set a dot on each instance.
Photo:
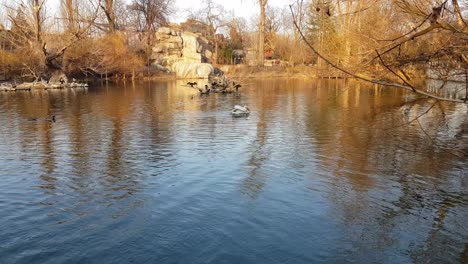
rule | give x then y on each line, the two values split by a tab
367	79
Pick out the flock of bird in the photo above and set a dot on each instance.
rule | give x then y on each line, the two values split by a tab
41	84
223	87
217	87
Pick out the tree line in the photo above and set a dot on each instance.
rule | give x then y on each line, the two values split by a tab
390	41
94	37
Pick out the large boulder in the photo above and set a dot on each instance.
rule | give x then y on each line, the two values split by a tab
184	69
185	53
166	46
164	31
191	55
190	41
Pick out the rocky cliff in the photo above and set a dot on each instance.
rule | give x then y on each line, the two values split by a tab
187	54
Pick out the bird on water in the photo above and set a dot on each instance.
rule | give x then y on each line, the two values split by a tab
51	119
191	84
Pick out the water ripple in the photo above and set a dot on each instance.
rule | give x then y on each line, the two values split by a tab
319	172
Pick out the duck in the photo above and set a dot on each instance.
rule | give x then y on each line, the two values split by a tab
73	83
191	84
236	85
226	91
206	91
7	87
238	111
51	119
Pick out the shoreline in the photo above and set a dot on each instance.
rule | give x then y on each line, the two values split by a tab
230	71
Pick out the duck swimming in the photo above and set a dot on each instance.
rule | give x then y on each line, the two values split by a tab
206	91
237	86
52	119
239	111
191	84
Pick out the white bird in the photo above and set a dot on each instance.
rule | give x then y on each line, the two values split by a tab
240	110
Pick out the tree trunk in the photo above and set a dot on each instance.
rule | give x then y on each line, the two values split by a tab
70	12
37	20
216	52
261	35
458	13
110	14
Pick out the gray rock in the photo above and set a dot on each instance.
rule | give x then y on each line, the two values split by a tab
185	69
183	53
164	31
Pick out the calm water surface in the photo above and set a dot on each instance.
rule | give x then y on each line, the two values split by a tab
321	172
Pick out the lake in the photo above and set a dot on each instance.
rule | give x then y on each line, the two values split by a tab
322	171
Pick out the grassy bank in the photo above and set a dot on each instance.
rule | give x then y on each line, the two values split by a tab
298	72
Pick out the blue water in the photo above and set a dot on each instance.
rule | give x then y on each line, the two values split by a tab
320	172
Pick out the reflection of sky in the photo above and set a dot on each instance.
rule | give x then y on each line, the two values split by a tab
452	90
311	176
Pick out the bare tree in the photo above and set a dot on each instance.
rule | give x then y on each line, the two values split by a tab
108	8
273	25
213	16
30	32
237	28
150	15
68	10
422	33
299	7
295	50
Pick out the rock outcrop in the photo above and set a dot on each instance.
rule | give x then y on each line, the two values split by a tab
193	69
187	54
169	47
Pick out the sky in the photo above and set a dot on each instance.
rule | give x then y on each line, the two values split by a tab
241	8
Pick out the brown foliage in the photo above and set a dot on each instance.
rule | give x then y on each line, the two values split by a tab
391	43
106	55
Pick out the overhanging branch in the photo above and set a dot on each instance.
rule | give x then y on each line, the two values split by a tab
366	79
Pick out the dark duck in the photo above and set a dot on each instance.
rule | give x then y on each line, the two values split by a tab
192	84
